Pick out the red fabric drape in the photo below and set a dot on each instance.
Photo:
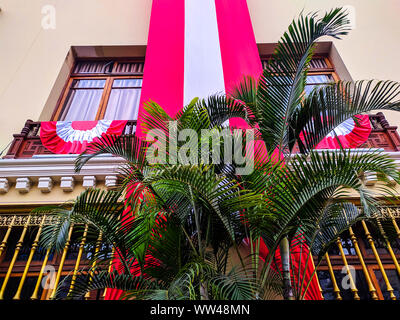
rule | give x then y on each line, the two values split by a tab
74	137
353	139
138	192
299	252
114	294
164	83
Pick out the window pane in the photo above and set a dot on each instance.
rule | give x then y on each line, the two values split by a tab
321	78
93	67
362	285
99	84
84	100
327	285
123	103
394	281
315	80
124	83
345	292
27	289
347	246
379	245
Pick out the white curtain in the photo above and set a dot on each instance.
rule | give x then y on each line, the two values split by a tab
124	100
84	102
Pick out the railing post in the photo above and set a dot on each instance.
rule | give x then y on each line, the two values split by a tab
15	147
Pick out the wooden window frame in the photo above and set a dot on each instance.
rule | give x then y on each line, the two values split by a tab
329	70
374	279
109	77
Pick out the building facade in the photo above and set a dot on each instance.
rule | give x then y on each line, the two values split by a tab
57	56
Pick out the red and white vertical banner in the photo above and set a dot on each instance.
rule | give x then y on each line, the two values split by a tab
197	48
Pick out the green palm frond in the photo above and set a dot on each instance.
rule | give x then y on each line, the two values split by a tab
102	211
235	285
295	193
217	195
336	219
246	91
96	280
281	87
328	106
128	147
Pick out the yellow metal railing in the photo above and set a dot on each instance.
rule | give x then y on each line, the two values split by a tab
374	262
20	269
11	224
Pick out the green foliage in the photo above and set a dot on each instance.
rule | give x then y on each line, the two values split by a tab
178	230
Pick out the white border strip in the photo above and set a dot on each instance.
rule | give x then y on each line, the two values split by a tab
203	63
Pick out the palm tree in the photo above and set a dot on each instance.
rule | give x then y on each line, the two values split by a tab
179	233
287	117
186	220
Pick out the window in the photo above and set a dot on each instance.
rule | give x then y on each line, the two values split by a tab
83	99
321	71
124	92
97	90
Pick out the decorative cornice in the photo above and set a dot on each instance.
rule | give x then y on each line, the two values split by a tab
45	184
4	186
89	182
23	185
46	171
58	166
67	184
111	181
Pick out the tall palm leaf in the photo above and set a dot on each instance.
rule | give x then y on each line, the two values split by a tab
328	106
284	114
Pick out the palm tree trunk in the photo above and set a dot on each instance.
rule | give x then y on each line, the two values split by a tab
203	287
285	256
203	291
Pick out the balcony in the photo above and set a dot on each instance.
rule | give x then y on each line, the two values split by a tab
25	266
383	135
27	143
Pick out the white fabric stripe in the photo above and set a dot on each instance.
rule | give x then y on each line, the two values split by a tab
68	134
203	64
343	129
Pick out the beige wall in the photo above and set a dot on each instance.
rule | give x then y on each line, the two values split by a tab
36	198
31	58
